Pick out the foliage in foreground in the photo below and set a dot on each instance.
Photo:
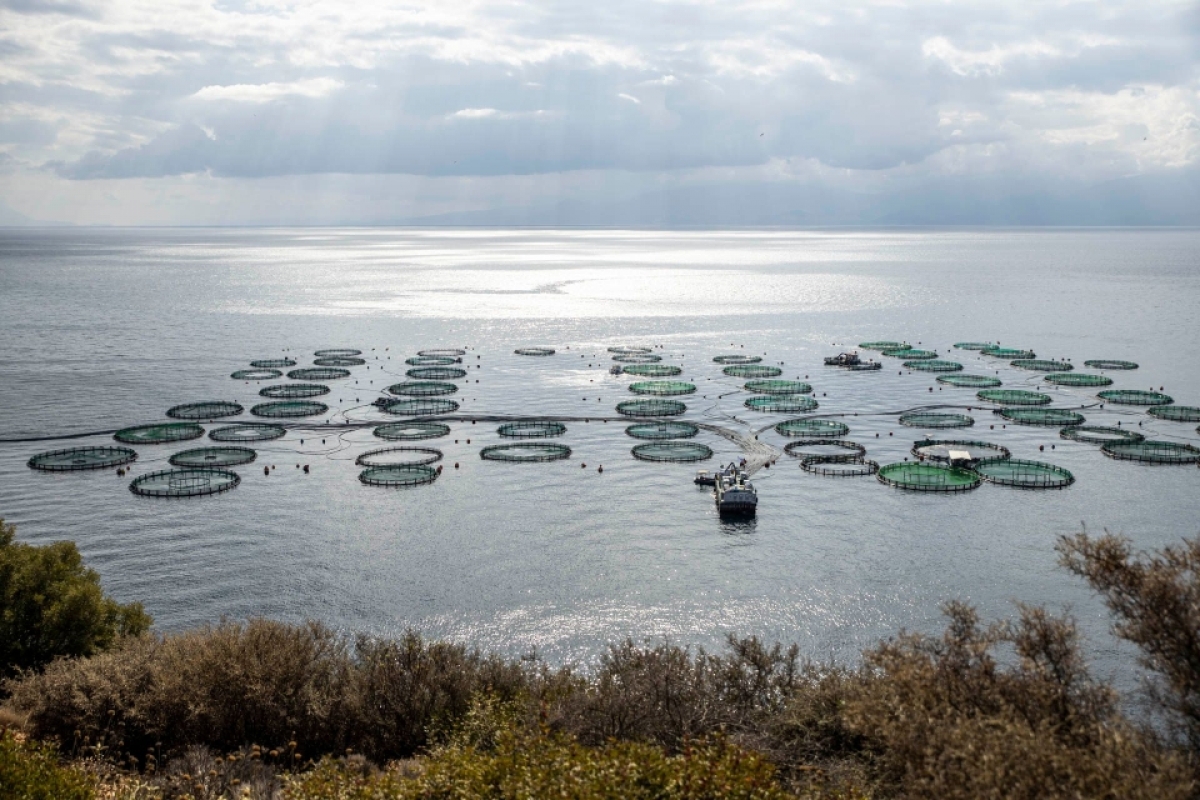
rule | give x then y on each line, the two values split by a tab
31	771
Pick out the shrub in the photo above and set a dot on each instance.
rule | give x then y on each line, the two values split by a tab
30	771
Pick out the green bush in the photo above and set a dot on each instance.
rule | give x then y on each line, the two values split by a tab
31	772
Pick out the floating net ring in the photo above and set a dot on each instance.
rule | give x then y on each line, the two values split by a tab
1152	452
813	428
1024	474
636	358
830	448
187	482
213	457
210	409
318	374
422	388
919	477
930	419
737	359
398	475
777	387
443	352
1014	397
339	361
1042	365
256	375
1058	417
782	403
884	345
423	407
653	370
1175	413
663	429
1010	353
399	456
294	391
525	452
1110	363
946	450
677	452
869	366
839	466
911	355
273	363
534	351
338	352
534	429
1077	379
663	388
974	345
651	408
247	432
1135	397
969	381
432	361
436	373
631	350
411	431
1099	434
289	408
752	371
933	365
161	433
77	458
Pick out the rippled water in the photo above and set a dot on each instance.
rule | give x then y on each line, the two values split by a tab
103	329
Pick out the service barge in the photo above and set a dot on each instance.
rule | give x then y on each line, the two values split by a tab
734	494
851	361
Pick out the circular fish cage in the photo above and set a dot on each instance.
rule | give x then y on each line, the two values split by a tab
933	365
535	429
273	363
318	374
912	355
825	448
677	452
525	452
289	408
1058	417
663	388
1110	363
636	358
187	482
256	375
1024	474
1011	353
974	345
534	351
1135	397
631	350
213	457
869	366
1041	365
1152	452
1077	379
777	387
736	359
210	409
411	431
422	388
970	381
651	408
339	361
338	352
1175	413
398	475
432	361
247	432
399	457
752	371
436	373
919	477
662	430
73	459
1099	434
813	428
294	391
782	403
882	345
838	466
443	352
653	370
931	419
162	433
945	450
1014	397
422	407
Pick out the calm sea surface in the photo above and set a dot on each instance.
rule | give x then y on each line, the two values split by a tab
103	329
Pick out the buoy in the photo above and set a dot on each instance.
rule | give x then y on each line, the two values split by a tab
266	470
583	466
600	468
456	465
306	469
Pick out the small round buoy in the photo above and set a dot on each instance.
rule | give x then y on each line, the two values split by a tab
456	465
1042	448
266	470
468	441
583	466
600	468
306	469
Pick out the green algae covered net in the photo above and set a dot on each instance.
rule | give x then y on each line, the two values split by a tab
680	452
882	345
737	359
1042	365
294	391
533	429
432	361
188	482
651	408
1176	413
339	361
969	381
228	456
318	374
398	475
1099	434
420	407
1110	363
338	352
974	345
1014	397
919	477
1058	417
398	456
273	363
411	431
933	365
1152	452
159	434
662	429
777	387
256	375
839	466
1009	353
443	352
525	452
636	358
436	373
630	350
663	388
289	408
1077	379
422	388
946	450
652	370
79	458
247	432
812	428
781	403
1135	397
752	371
534	351
931	419
210	409
1023	474
912	355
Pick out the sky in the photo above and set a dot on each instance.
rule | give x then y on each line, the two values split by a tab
152	112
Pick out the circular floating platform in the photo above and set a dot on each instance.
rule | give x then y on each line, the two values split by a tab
398	475
782	403
192	482
1110	363
1077	379
636	358
919	477
534	351
525	452
536	429
294	391
933	365
839	466
944	450
247	432
289	408
651	408
338	352
1152	452
318	374
256	375
1135	397
339	361
73	459
652	370
1099	434
969	381
161	433
825	448
912	355
663	388
752	371
678	452
1014	397
631	350
422	388
882	345
273	363
930	419
974	345
737	359
399	457
813	428
423	407
662	430
432	361
411	431
213	457
210	409
1175	413
436	373
1009	353
777	387
1024	474
1042	365
1058	417
443	352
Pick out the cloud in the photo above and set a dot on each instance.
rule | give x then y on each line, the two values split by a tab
266	92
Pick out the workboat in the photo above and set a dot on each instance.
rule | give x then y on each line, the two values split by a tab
615	369
734	493
851	361
705	478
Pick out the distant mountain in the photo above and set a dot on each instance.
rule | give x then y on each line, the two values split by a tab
15	219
